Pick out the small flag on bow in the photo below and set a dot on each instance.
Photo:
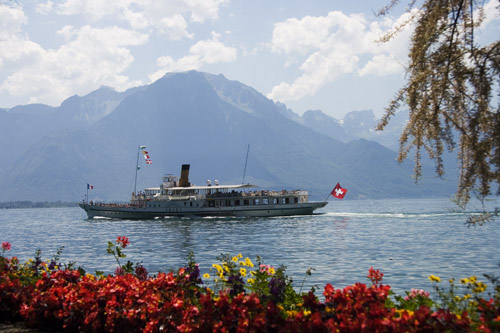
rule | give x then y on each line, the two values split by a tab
338	192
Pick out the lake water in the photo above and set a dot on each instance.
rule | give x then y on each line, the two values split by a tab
408	240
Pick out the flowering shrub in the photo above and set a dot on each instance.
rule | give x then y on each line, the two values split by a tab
236	295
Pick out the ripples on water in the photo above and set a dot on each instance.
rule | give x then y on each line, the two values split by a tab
408	240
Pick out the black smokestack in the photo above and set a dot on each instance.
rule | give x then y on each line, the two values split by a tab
184	180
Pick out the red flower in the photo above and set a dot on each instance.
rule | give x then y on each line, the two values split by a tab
6	246
122	241
375	275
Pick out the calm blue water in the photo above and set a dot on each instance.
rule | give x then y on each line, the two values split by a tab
408	240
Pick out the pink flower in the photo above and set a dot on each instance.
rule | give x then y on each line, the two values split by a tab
120	271
6	246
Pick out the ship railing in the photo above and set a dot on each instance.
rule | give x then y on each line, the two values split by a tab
117	205
262	193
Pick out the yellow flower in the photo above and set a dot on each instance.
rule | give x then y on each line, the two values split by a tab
479	287
467	296
252	273
239	255
226	268
219	268
472	279
434	278
235	259
251	281
464	281
206	276
248	262
400	312
307	312
243	271
272	271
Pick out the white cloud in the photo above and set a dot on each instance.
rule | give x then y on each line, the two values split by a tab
381	65
202	10
334	45
203	52
11	21
175	27
491	12
164	17
45	8
92	57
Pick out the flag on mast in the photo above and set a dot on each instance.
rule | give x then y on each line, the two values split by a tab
90	186
338	192
146	157
142	147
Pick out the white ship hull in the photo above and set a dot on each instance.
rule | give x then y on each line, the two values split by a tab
125	212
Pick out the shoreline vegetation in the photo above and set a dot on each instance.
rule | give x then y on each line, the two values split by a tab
36	204
237	294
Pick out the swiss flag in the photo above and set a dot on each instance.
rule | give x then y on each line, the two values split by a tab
338	192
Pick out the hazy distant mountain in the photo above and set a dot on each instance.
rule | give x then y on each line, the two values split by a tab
25	125
327	125
197	118
355	125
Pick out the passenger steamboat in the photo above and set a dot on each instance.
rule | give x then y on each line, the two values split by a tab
177	197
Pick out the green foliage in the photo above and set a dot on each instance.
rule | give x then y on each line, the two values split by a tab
452	94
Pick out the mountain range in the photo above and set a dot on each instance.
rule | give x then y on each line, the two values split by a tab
209	122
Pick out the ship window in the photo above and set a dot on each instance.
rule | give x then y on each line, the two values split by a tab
287	200
191	203
265	201
236	202
296	200
256	202
246	202
185	203
275	201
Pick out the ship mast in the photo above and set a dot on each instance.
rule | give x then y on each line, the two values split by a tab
245	170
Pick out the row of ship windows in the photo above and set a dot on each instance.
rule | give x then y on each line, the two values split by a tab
238	202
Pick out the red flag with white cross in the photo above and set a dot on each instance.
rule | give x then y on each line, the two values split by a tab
338	192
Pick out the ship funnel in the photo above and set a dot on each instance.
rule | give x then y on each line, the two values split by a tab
184	180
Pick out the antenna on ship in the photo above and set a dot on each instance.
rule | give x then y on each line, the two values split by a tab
245	170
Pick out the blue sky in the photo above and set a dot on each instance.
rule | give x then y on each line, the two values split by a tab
306	54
